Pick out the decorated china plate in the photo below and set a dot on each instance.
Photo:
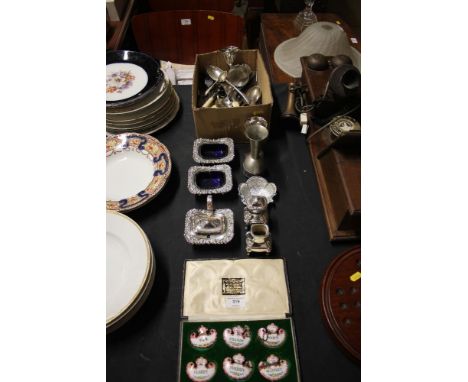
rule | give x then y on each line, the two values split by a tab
137	168
130	76
163	102
153	98
124	80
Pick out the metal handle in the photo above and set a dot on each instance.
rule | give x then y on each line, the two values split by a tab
207	91
244	97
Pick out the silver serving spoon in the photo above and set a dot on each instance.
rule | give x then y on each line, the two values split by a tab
217	74
253	94
239	75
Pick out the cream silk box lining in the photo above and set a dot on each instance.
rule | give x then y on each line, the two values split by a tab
266	292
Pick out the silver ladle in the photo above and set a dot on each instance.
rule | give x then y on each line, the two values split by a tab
216	76
239	75
219	75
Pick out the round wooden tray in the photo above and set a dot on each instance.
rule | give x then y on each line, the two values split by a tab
341	301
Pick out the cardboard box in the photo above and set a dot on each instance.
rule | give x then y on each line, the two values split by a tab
229	122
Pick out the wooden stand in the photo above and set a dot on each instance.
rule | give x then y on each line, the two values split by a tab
337	164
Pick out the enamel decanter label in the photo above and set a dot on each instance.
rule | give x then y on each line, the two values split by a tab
274	369
237	337
237	368
203	338
272	336
201	370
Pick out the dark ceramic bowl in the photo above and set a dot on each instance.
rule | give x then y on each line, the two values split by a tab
151	66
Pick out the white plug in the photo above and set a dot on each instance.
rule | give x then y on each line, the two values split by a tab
303	120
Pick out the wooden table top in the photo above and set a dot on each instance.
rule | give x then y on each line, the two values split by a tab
278	27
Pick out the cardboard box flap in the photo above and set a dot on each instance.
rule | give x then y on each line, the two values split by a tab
227	289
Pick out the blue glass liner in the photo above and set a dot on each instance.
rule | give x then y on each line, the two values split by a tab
213	151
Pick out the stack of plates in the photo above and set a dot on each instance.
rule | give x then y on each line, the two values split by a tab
138	96
130	269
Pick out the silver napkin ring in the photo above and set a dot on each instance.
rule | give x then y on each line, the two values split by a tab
258	239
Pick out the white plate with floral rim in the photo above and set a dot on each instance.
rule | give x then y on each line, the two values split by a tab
138	166
128	264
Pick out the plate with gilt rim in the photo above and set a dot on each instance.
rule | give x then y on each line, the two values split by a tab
151	127
129	264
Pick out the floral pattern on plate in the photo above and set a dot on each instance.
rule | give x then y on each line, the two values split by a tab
119	81
153	150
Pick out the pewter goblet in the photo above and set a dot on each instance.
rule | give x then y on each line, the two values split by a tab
256	131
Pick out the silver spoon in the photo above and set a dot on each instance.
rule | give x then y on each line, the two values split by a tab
216	74
231	93
253	94
220	75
